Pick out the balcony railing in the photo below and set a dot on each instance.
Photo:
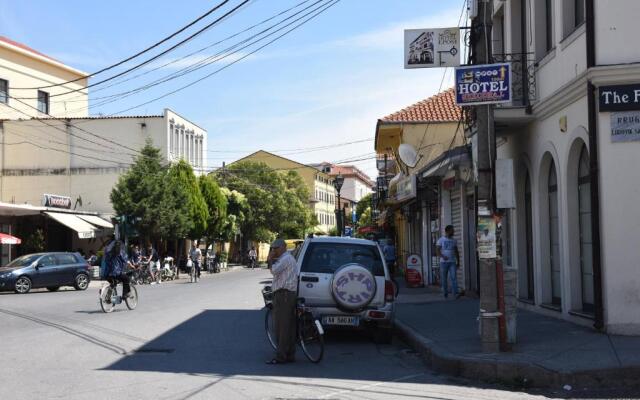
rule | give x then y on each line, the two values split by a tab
523	77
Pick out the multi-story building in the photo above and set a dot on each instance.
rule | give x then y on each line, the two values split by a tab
323	195
35	85
571	133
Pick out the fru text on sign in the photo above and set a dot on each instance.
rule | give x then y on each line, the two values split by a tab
619	97
483	84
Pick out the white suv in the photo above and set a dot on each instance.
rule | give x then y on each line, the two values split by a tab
347	283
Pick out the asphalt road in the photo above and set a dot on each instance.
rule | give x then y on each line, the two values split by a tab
195	341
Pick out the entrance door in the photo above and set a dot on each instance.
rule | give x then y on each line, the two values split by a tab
472	261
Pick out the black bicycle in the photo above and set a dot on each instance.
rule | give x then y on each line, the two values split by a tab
108	295
309	331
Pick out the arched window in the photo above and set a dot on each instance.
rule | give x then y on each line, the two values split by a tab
554	237
584	206
528	209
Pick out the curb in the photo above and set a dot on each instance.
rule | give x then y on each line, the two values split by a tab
512	373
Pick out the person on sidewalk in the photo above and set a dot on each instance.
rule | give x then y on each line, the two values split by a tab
389	251
447	250
196	257
284	286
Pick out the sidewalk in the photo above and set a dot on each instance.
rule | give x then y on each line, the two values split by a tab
549	352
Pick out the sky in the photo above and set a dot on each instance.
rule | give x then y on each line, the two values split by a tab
324	84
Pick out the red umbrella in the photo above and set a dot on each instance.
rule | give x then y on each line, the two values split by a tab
8	239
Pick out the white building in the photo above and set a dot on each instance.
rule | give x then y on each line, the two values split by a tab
356	184
572	235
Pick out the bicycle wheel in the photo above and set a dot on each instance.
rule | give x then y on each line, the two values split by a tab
132	300
310	336
105	295
270	328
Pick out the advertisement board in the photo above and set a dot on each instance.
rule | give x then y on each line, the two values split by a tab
486	237
55	201
413	274
483	84
431	47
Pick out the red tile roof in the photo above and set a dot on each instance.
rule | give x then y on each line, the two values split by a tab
439	108
25	47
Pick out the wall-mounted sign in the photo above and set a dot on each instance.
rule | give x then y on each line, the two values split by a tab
625	126
406	188
428	48
486	237
55	201
619	97
483	84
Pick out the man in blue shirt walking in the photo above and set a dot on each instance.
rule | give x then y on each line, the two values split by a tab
447	250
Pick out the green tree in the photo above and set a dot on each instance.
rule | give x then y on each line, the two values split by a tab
180	177
139	192
237	208
217	205
362	205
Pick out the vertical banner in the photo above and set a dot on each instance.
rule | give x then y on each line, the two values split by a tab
486	237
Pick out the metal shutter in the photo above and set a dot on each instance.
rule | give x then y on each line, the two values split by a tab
456	221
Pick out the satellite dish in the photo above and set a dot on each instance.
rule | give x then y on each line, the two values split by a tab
408	155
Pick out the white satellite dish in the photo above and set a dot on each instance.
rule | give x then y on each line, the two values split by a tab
408	155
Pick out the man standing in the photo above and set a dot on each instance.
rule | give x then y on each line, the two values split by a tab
447	250
196	257
389	251
284	286
152	258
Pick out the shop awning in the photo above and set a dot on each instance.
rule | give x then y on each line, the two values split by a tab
85	230
97	221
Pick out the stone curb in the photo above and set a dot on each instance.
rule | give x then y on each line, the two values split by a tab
512	373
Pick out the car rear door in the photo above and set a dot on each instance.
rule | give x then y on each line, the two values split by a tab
67	266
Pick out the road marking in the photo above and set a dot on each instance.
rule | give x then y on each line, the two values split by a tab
326	396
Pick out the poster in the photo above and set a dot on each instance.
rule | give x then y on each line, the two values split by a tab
486	237
428	48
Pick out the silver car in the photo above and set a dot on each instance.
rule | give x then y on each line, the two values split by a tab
347	283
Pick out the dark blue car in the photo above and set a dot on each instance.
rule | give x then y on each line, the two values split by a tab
45	270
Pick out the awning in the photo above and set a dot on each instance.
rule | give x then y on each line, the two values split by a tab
85	230
97	221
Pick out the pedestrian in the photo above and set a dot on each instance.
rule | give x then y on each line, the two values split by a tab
447	250
196	257
253	256
93	258
151	256
389	251
284	286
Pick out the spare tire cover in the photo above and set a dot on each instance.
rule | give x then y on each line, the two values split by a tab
353	286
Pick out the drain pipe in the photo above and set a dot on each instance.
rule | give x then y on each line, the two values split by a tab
594	168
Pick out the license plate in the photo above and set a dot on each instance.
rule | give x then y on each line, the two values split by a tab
340	320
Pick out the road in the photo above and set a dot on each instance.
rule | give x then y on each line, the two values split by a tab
195	341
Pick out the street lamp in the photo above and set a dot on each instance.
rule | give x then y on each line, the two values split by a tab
337	183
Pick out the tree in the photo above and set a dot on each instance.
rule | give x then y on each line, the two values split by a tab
139	192
181	178
217	205
277	202
362	205
237	208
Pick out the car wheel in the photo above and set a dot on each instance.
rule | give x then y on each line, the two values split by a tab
383	335
53	288
81	282
23	285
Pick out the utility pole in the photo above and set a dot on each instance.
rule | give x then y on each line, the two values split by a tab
489	307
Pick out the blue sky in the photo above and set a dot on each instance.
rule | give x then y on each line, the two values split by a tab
325	83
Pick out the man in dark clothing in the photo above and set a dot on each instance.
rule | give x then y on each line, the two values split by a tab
117	262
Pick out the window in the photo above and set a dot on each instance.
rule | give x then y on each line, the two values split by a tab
43	102
4	91
47	260
328	257
65	259
578	12
586	244
554	237
171	139
548	18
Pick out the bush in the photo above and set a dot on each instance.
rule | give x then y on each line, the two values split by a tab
224	256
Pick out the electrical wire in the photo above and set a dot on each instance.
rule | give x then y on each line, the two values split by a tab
191	37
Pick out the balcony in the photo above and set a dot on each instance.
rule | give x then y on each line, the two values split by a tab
523	89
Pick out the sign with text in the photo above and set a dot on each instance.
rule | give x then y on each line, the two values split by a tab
486	237
625	126
406	188
483	84
55	201
619	97
413	273
428	48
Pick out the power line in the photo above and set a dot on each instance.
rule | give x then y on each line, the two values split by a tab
296	149
137	54
223	54
230	64
152	58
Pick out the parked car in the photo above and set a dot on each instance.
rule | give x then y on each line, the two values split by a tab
347	283
45	270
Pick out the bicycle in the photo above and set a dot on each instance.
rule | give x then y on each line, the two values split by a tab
109	298
193	274
309	331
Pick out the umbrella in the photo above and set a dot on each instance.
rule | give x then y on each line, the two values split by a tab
8	239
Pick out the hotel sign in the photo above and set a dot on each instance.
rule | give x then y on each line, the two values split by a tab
619	97
483	84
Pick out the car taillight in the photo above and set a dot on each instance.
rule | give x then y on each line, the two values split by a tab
389	291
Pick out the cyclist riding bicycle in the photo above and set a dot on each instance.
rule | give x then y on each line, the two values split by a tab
151	256
116	264
253	256
196	257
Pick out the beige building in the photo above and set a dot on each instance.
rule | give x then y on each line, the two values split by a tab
35	85
320	185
